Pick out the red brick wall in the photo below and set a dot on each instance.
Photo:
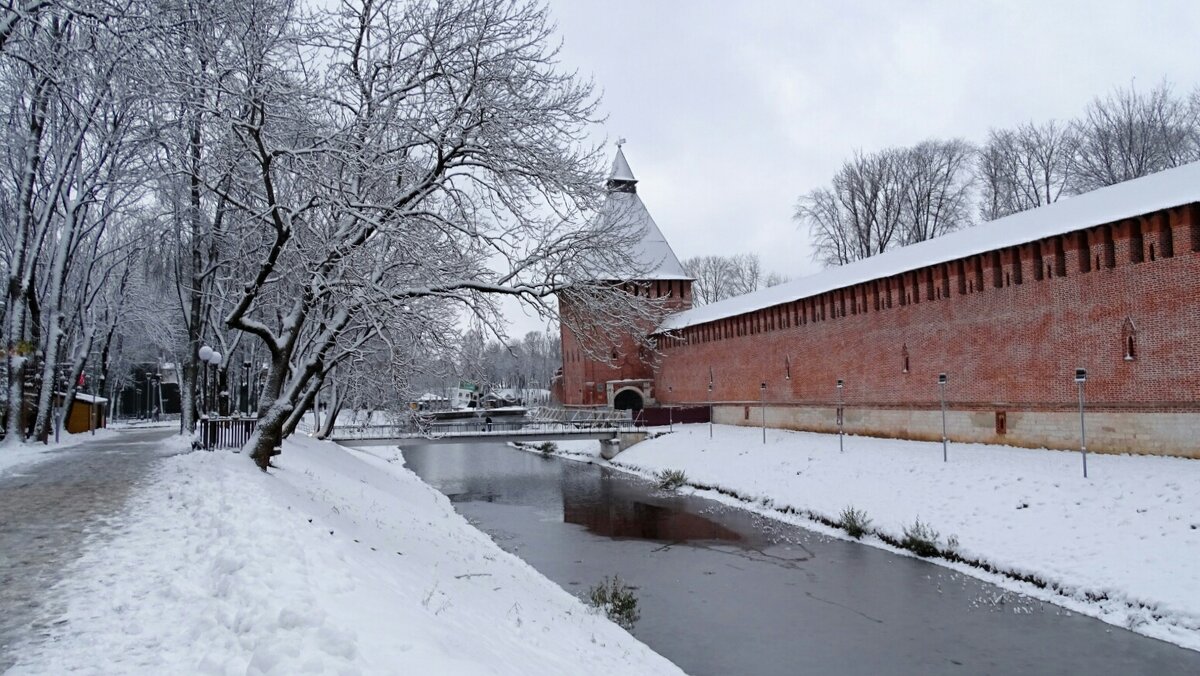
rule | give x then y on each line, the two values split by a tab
584	375
1011	344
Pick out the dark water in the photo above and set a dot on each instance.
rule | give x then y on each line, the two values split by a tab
722	591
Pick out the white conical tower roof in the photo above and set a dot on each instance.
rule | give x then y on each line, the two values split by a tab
652	258
620	168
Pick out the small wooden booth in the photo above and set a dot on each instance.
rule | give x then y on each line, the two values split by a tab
88	412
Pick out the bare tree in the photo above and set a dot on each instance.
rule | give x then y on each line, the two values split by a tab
1026	167
392	153
1129	134
775	279
936	181
716	278
861	214
76	129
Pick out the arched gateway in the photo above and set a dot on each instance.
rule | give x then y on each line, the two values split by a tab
628	400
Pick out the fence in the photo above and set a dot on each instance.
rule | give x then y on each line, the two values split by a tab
666	415
225	432
581	416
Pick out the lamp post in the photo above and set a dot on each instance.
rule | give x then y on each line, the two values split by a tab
205	354
841	442
670	411
942	388
208	357
215	360
763	399
155	399
246	384
710	420
1080	379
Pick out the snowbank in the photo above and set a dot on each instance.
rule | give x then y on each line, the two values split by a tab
1121	545
336	562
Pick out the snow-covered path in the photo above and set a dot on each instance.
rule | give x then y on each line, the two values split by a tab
49	507
337	562
1121	545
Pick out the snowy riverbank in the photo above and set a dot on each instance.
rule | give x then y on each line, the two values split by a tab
1121	545
336	562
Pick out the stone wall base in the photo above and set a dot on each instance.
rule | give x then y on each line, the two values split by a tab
1176	434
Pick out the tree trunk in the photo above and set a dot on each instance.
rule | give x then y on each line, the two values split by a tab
268	434
330	417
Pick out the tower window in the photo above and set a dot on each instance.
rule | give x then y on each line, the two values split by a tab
1129	339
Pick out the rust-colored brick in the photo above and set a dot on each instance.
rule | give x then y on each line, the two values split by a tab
1009	327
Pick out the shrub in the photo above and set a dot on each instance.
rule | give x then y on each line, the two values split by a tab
547	447
670	479
616	599
921	539
855	522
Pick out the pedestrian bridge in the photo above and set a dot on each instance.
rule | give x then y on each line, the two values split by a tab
476	431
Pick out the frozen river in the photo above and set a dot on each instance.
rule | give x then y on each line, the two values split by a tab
724	591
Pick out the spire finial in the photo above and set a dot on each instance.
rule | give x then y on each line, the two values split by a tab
620	142
621	179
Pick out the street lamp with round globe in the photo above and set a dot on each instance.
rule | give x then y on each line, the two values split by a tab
205	353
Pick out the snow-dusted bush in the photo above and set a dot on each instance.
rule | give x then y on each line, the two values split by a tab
616	599
921	539
855	522
670	479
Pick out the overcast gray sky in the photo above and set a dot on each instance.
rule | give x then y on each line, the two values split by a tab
731	110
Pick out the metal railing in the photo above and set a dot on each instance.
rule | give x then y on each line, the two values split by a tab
582	416
476	428
225	432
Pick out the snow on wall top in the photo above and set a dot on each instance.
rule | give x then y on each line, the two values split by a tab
1166	189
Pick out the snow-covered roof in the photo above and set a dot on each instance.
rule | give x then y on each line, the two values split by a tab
86	398
620	168
652	258
430	396
1166	189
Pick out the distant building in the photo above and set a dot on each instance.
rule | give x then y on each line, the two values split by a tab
1108	281
466	395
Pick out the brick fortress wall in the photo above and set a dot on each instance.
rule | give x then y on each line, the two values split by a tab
586	376
1009	327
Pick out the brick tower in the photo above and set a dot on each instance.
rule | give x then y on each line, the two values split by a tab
623	377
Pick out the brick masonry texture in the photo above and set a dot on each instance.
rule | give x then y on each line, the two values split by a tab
589	366
1008	327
